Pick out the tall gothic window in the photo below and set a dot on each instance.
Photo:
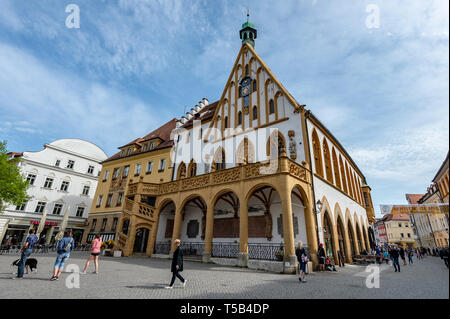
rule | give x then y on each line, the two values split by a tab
181	171
192	169
271	107
327	157
240	118
344	182
255	112
317	153
337	178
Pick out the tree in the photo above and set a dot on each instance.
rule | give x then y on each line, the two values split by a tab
13	186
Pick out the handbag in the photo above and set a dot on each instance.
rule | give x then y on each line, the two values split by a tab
68	246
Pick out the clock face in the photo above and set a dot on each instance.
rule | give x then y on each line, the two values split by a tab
246	87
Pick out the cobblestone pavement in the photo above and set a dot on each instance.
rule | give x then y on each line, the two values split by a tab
147	277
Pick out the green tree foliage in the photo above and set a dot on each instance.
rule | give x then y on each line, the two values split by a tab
13	186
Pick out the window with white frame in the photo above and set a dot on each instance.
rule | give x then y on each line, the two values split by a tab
138	169
145	147
162	165
31	178
105	177
125	171
109	200
57	209
99	200
70	164
48	182
130	150
153	145
80	211
116	173
90	169
119	199
86	190
64	186
40	207
149	167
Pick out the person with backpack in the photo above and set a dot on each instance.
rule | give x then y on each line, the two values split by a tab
65	246
302	258
27	249
177	265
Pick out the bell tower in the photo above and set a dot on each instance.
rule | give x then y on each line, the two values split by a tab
248	32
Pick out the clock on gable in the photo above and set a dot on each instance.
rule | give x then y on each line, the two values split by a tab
246	90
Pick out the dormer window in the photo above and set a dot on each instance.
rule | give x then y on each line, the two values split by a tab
153	145
130	150
145	148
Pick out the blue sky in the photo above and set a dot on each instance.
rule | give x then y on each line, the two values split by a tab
134	64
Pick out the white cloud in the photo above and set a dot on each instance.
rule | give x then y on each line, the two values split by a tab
66	105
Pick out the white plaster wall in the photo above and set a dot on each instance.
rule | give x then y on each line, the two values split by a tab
42	164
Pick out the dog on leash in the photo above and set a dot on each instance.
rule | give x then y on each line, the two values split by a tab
30	264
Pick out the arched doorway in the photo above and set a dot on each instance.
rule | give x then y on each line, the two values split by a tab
341	239
163	236
141	240
358	235
328	235
351	238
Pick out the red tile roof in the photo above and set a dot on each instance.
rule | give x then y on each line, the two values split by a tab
394	217
414	198
162	133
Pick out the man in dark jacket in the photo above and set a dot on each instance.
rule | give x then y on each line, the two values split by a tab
394	256
177	265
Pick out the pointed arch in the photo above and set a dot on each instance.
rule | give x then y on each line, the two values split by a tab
218	162
277	95
349	183
245	153
192	169
327	159
344	181
181	173
280	144
337	178
317	153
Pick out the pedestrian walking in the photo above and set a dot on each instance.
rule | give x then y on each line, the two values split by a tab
395	256
410	256
302	258
402	255
321	254
26	250
177	265
65	246
95	252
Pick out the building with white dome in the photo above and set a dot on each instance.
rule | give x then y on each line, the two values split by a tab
63	178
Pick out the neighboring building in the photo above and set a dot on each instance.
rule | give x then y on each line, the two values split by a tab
432	229
64	174
441	180
399	230
230	202
145	159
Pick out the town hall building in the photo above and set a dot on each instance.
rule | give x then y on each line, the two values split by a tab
253	174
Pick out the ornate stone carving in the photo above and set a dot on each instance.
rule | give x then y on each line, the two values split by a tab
297	171
195	182
169	188
227	176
